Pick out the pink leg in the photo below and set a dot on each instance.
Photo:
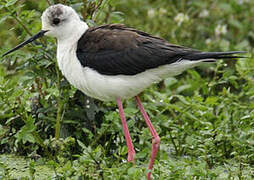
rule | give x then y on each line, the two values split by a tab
131	151
156	138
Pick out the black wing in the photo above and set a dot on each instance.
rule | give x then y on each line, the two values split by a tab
116	50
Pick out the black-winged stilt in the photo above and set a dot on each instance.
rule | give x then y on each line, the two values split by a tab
113	62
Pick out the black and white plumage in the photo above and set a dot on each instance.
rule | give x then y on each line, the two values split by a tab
113	62
117	50
124	61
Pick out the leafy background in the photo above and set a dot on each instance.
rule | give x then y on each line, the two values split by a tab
49	130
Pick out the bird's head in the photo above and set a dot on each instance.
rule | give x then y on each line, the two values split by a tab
58	21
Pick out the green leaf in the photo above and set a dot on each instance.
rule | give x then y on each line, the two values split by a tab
10	3
25	133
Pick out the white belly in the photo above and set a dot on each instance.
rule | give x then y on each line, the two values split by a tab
107	87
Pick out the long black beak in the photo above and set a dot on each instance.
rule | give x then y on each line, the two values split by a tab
36	36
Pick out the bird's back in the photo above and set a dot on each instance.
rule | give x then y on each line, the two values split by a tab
120	62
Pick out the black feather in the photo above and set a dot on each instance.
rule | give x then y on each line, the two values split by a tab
213	55
116	50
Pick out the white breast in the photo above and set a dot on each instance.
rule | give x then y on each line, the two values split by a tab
106	87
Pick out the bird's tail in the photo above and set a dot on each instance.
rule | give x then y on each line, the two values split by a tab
213	56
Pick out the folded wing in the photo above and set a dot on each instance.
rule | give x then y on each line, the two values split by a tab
117	50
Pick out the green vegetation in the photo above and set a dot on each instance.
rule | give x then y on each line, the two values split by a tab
204	116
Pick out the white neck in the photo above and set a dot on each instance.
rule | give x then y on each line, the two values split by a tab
75	33
67	45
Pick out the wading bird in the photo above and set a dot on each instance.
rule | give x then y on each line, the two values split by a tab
113	62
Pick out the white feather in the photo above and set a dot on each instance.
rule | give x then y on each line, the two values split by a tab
89	81
111	87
